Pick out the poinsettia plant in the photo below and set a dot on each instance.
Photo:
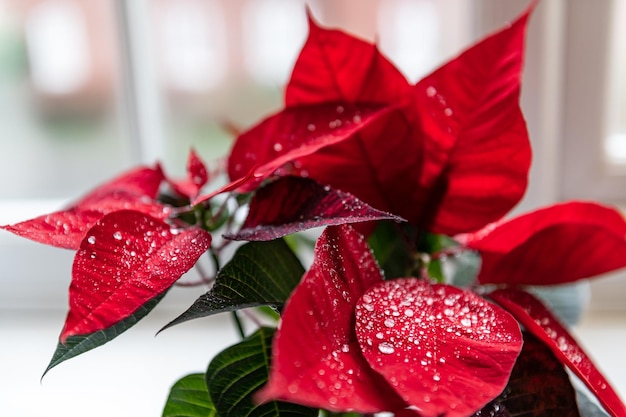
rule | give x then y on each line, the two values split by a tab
417	300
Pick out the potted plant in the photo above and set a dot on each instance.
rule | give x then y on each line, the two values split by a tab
416	301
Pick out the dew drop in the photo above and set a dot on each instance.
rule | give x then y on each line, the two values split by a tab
408	312
389	323
117	236
436	377
448	111
311	127
466	322
278	147
386	348
91	239
431	91
340	109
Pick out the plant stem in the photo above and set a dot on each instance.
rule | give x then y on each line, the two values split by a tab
238	324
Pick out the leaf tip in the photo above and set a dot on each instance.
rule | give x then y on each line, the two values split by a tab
313	24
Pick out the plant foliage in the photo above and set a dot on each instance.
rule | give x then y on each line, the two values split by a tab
414	297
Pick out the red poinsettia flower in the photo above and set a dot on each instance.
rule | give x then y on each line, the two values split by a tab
349	341
129	250
452	155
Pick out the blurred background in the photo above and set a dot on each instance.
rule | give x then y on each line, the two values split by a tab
91	87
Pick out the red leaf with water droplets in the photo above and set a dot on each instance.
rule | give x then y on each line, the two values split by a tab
304	204
134	190
382	164
538	320
459	145
293	133
558	244
63	229
126	259
197	177
476	138
315	356
335	66
445	350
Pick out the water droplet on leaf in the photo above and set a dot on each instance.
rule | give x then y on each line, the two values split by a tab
386	348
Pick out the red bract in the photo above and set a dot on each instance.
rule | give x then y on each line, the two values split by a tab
303	204
293	133
141	181
443	349
538	320
197	177
315	354
455	157
351	341
476	143
134	190
334	66
126	259
554	245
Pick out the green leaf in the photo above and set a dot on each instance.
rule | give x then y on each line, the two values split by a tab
390	250
238	372
189	397
260	273
75	345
